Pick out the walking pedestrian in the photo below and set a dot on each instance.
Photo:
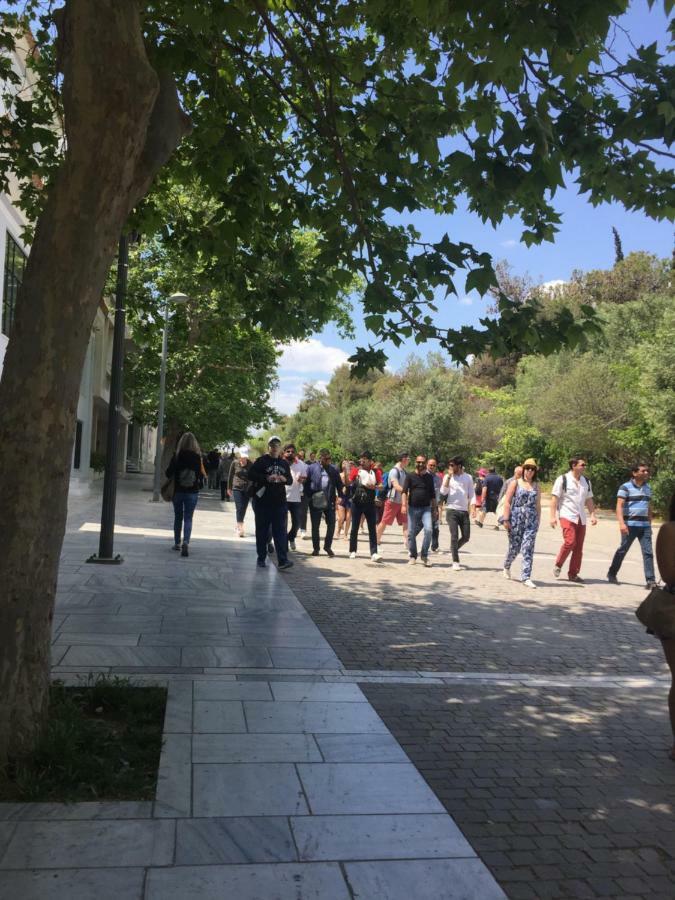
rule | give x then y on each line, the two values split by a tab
294	491
392	505
522	514
304	501
571	497
478	491
212	462
634	514
188	473
323	486
665	560
344	503
238	484
492	486
364	480
457	488
269	475
419	502
432	468
224	466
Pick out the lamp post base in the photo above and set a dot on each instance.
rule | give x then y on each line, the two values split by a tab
105	560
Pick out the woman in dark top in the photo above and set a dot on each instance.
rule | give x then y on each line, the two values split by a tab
665	560
188	473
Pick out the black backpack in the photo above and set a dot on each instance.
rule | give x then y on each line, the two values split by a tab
587	480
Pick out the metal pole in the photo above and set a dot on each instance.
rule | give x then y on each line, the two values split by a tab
160	412
107	536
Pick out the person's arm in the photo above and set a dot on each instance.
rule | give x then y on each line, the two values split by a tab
171	467
590	506
538	505
404	496
255	473
507	503
445	485
483	493
289	475
471	494
623	528
555	497
396	483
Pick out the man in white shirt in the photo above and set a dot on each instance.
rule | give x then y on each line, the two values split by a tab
571	497
294	491
458	489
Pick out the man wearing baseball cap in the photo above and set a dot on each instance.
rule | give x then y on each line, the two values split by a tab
270	474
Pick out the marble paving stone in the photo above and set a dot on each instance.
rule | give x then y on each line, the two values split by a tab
111	624
110	640
197	639
379	837
353	748
315	718
7	830
276	881
304	659
450	879
217	690
308	641
215	656
64	845
108	809
341	788
211	609
317	691
247	789
275	616
191	625
178	714
201	842
218	716
174	778
239	748
122	656
73	884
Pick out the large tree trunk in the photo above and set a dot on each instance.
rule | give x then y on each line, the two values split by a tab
122	122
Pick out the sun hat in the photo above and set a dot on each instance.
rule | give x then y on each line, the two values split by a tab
530	462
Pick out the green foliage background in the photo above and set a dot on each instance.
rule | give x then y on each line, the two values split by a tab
611	397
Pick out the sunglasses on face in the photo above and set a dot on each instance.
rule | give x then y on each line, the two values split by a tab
529	468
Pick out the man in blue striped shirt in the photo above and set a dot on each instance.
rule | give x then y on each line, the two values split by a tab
634	512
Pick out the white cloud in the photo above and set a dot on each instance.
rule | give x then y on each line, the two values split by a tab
550	286
291	390
467	300
311	356
509	243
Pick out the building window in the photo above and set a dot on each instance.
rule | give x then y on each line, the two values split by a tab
78	446
15	264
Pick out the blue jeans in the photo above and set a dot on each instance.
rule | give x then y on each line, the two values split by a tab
419	517
241	502
644	537
274	516
184	503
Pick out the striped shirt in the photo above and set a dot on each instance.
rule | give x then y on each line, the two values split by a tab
636	501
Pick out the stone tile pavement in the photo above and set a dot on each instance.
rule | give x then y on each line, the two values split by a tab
274	782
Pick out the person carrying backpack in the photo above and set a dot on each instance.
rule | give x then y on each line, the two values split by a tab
571	497
392	511
188	474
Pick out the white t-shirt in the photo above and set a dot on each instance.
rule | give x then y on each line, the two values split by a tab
460	492
572	503
294	491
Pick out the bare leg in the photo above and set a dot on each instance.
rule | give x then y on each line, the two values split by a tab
669	651
341	513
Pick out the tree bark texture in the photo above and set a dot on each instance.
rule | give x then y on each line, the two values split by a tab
122	122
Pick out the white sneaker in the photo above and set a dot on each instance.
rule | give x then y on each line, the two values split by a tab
506	573
427	562
304	536
556	571
376	557
412	561
291	544
529	583
457	567
352	555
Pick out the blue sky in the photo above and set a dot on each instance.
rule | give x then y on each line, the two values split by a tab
584	241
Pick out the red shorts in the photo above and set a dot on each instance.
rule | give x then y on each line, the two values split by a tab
392	513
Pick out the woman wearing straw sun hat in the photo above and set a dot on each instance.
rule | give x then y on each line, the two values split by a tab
522	512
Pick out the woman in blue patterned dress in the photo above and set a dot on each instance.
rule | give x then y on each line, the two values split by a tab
522	512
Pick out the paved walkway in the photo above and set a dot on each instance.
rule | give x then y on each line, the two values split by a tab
278	780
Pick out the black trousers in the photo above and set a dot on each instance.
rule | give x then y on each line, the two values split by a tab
370	514
223	490
458	521
316	515
294	512
274	517
304	506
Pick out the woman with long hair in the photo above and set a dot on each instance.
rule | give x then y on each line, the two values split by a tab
187	471
344	503
522	513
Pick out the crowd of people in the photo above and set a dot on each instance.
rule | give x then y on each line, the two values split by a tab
287	486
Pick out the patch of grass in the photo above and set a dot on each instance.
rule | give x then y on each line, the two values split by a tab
102	742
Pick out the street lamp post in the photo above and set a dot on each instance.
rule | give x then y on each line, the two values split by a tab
174	299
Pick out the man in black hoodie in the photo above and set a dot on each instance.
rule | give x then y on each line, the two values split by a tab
269	475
